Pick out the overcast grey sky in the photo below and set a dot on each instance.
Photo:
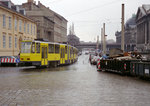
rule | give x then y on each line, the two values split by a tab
89	15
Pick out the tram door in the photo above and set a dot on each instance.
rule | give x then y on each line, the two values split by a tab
62	55
44	54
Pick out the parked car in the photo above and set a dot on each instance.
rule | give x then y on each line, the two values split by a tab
95	59
92	54
86	52
9	60
80	53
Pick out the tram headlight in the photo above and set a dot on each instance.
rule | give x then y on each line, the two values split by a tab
28	58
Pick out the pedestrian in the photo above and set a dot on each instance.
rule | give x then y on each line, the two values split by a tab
90	58
19	56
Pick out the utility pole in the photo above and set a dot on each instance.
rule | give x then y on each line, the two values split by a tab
73	29
97	47
104	39
122	32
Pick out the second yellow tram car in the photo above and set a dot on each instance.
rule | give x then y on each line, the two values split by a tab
42	53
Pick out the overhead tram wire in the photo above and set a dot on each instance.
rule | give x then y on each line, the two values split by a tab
95	21
90	9
55	1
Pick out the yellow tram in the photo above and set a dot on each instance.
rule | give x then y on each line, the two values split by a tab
42	53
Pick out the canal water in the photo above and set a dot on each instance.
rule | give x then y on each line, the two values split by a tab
79	84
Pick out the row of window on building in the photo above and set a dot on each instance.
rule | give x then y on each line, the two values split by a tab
4	42
32	27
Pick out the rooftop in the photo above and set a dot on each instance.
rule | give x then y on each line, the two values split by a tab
7	4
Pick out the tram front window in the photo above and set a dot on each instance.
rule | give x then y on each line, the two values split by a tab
25	47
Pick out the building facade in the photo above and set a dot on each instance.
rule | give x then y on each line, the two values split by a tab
51	26
118	37
15	27
130	32
143	28
72	39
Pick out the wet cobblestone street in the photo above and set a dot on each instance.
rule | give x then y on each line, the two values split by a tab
79	84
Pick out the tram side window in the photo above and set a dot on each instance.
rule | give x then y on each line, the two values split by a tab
42	52
57	48
45	52
51	48
63	53
61	56
66	49
38	47
71	51
33	48
76	51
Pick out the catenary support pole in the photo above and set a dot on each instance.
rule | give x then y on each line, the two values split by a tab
104	40
122	32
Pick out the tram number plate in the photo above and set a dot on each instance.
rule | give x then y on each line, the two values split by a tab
146	71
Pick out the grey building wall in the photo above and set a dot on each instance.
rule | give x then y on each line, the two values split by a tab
45	27
52	26
73	40
130	32
118	37
143	28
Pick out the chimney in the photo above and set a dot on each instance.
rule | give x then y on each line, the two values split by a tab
34	2
30	1
9	4
39	2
